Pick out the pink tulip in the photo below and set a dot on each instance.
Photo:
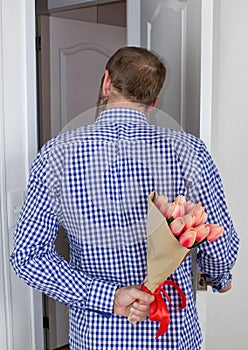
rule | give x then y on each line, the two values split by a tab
203	218
215	232
177	226
189	207
164	208
189	220
181	210
198	212
187	238
180	200
202	231
161	200
173	210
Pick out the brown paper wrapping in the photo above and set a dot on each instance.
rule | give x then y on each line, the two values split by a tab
164	252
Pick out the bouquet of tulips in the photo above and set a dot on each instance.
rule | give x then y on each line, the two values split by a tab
173	229
187	221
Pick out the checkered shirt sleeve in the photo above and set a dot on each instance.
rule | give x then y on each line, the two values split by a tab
35	259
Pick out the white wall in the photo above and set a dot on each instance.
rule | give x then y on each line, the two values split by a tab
227	313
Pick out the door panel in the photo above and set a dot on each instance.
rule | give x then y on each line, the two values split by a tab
170	44
172	29
72	59
78	54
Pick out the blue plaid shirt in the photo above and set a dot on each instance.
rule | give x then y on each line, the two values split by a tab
95	181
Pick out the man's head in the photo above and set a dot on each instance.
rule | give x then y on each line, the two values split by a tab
134	74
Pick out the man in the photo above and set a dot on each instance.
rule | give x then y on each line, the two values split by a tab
95	181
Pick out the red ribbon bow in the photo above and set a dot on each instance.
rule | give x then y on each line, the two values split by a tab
158	310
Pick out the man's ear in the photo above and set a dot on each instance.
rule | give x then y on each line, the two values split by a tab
153	105
106	84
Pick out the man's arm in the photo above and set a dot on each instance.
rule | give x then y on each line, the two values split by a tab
36	261
216	259
34	257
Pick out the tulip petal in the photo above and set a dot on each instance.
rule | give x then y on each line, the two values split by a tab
189	207
198	212
164	209
203	218
202	231
215	232
189	220
187	238
173	210
177	226
161	200
180	200
181	210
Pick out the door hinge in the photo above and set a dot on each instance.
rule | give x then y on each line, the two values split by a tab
45	322
38	43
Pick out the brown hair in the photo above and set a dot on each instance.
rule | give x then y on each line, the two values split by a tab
137	74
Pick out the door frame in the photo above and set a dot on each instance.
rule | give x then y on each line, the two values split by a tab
206	90
26	34
5	307
18	106
133	11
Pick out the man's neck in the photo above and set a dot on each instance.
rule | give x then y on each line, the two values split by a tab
121	102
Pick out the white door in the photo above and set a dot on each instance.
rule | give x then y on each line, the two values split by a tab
72	59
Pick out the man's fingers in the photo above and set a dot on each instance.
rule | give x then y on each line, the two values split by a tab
226	289
139	311
139	306
143	297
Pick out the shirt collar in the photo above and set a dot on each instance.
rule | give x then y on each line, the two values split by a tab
121	115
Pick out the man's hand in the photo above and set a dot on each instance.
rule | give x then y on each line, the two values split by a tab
226	289
132	300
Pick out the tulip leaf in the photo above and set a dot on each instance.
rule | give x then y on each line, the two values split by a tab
170	220
198	243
